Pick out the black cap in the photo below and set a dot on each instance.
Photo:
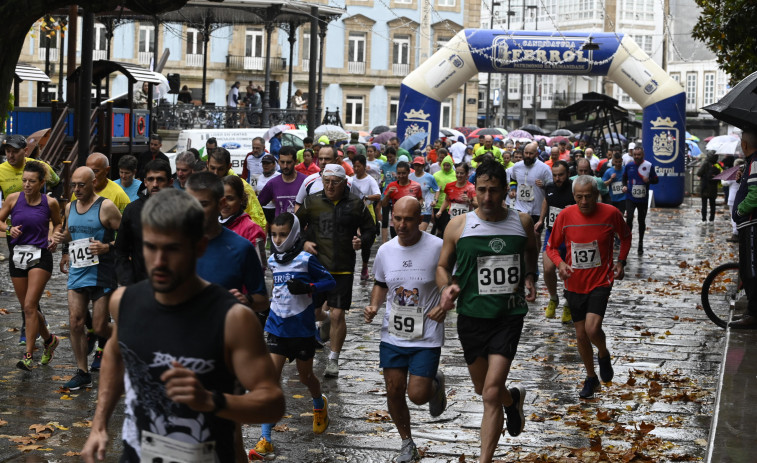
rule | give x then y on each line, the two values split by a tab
17	141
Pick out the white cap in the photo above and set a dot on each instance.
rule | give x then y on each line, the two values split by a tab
334	170
631	145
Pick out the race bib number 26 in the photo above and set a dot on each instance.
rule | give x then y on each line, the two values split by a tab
525	192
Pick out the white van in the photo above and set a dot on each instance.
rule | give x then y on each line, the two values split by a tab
237	141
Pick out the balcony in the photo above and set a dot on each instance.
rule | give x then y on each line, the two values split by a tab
194	59
305	63
43	53
99	54
145	57
400	69
356	67
254	63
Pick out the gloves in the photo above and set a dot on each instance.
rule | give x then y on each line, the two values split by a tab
299	287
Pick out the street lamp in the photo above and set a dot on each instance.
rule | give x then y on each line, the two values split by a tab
534	11
510	13
489	74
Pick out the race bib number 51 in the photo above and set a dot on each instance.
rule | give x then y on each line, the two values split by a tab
498	274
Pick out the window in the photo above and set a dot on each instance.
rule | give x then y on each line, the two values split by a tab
356	53
406	2
644	42
353	115
447	3
637	10
446	120
253	50
194	47
709	88
676	76
482	97
394	108
306	49
401	55
513	85
441	42
547	90
100	50
146	41
691	90
46	42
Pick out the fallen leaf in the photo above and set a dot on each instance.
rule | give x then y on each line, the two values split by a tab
57	425
83	424
646	428
28	447
71	453
41	427
3	422
281	428
378	415
22	440
3	311
66	397
62	378
604	415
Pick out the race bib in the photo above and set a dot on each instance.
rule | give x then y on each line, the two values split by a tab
525	192
254	182
25	256
456	209
498	274
81	255
585	255
407	322
616	188
552	215
639	191
156	448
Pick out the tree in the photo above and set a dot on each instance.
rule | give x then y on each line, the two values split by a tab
729	30
20	16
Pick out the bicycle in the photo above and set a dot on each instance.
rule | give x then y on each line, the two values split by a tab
722	290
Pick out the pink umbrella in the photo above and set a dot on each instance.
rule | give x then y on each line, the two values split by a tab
520	134
729	174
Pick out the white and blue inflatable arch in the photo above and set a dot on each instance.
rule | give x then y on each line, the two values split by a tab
619	58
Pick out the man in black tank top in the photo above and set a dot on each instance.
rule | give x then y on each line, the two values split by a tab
181	346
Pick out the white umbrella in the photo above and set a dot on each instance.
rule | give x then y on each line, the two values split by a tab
333	132
273	131
725	144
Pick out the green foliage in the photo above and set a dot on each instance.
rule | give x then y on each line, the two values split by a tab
729	29
4	114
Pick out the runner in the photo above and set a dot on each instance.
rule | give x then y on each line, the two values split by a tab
443	177
638	175
559	195
493	254
290	329
307	166
31	262
91	222
219	163
314	183
409	342
130	262
588	230
612	179
331	220
11	172
527	181
270	171
365	187
153	153
252	166
399	188
178	394
236	219
127	169
282	189
428	188
459	196
184	163
389	175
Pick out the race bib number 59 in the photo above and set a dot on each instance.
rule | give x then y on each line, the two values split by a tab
406	322
498	274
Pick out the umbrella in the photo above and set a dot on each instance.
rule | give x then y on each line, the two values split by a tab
725	144
384	137
615	138
693	148
414	139
520	134
739	106
484	131
541	137
504	132
453	134
558	139
729	174
709	138
562	133
533	129
333	132
465	130
379	129
276	129
692	137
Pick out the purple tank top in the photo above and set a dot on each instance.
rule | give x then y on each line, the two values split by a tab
34	221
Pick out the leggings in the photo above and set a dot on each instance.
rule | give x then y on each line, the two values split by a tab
642	208
705	200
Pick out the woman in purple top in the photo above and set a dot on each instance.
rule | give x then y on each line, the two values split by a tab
31	262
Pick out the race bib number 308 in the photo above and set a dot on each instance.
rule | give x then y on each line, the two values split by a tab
498	274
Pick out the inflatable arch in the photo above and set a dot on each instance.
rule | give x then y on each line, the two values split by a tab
618	57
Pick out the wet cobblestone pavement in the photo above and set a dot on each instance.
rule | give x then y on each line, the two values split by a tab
666	356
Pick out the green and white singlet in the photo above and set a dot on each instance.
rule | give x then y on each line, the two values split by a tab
491	267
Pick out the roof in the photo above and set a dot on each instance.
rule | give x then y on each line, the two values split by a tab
133	72
590	103
30	73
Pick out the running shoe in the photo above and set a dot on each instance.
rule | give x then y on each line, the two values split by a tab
321	417
438	402
47	355
325	329
262	451
80	380
332	369
97	360
22	337
516	420
550	310
566	317
26	362
591	385
364	273
408	453
606	372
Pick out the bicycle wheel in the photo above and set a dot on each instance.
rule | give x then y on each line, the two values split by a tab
720	291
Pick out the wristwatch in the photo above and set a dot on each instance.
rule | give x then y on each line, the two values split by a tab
622	262
219	402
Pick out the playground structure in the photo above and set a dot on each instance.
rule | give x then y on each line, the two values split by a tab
545	52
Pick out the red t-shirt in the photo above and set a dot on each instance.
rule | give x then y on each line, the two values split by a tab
589	241
309	170
454	193
411	189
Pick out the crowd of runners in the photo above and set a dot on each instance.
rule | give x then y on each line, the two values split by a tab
173	266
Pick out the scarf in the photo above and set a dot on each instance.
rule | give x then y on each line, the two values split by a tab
292	245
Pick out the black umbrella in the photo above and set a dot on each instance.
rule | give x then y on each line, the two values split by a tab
379	129
534	129
561	133
739	106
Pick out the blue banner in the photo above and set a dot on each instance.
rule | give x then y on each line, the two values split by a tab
419	113
663	138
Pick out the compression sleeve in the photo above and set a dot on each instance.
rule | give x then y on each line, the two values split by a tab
321	278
